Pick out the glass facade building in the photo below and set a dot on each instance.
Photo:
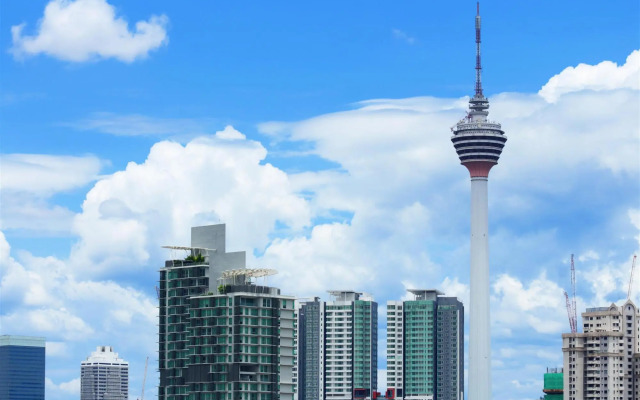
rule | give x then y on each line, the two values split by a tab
22	364
221	337
425	347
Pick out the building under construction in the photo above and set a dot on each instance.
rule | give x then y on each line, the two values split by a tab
603	362
553	383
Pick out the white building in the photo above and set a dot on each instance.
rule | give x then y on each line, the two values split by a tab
425	347
104	376
603	362
338	347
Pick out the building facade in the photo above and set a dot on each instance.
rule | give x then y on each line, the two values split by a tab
425	347
602	362
338	347
221	335
104	376
22	364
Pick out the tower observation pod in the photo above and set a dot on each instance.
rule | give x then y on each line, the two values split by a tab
479	143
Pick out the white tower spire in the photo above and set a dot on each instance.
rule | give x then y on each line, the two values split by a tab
479	144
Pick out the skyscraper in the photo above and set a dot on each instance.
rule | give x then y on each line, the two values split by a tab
338	347
425	347
227	338
479	143
180	279
104	376
22	362
603	362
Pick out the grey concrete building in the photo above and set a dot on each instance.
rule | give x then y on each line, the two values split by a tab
603	362
104	376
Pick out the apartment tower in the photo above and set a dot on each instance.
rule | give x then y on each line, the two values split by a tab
104	376
425	347
603	362
222	336
338	347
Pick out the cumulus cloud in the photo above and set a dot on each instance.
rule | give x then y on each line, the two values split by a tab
84	30
127	216
606	75
540	306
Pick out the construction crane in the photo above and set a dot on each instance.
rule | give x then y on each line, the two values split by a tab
144	378
574	308
572	322
633	266
571	303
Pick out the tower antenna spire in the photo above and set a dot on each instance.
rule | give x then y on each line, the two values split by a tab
478	62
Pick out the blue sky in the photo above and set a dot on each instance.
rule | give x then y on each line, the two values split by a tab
320	134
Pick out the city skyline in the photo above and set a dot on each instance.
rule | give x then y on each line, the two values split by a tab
320	136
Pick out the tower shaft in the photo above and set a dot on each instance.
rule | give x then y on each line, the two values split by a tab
479	143
479	335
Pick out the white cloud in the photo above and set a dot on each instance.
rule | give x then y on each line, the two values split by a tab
604	76
540	306
142	125
44	175
127	216
229	132
400	35
84	30
57	349
71	387
63	389
29	180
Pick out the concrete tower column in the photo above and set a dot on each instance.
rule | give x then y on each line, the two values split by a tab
479	332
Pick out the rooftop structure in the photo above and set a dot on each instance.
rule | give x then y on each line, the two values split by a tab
479	143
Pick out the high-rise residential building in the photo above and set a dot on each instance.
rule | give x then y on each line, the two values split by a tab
479	143
425	347
104	376
22	362
338	347
603	362
221	335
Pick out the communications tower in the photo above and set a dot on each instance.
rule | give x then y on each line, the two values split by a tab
479	143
